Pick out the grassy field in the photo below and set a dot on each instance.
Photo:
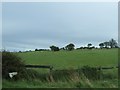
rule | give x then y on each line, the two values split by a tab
70	60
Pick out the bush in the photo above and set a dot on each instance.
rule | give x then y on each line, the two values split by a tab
11	63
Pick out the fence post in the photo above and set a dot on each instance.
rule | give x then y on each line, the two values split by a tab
50	74
100	70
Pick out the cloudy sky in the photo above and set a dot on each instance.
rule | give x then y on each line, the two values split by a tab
39	25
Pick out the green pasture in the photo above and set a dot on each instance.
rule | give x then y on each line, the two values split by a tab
72	59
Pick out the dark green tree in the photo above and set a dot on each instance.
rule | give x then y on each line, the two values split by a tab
70	47
101	45
113	43
54	48
36	50
89	45
106	44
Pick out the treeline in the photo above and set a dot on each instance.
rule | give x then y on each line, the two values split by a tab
41	49
107	45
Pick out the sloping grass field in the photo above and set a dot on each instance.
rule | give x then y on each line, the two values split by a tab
62	60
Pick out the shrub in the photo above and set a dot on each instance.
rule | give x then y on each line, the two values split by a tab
11	63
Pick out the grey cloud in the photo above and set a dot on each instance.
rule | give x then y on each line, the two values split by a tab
39	25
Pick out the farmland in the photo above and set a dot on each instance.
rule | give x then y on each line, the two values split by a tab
62	60
72	59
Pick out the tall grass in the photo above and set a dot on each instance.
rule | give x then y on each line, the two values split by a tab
67	78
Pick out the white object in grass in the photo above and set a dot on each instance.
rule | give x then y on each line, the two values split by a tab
12	74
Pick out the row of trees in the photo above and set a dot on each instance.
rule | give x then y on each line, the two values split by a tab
69	47
41	49
108	44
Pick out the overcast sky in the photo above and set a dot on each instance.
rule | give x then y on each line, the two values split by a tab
39	25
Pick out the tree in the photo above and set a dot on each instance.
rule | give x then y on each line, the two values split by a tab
101	45
89	45
106	44
113	43
36	50
70	47
54	48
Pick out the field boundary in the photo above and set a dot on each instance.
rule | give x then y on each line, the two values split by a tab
39	66
51	67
